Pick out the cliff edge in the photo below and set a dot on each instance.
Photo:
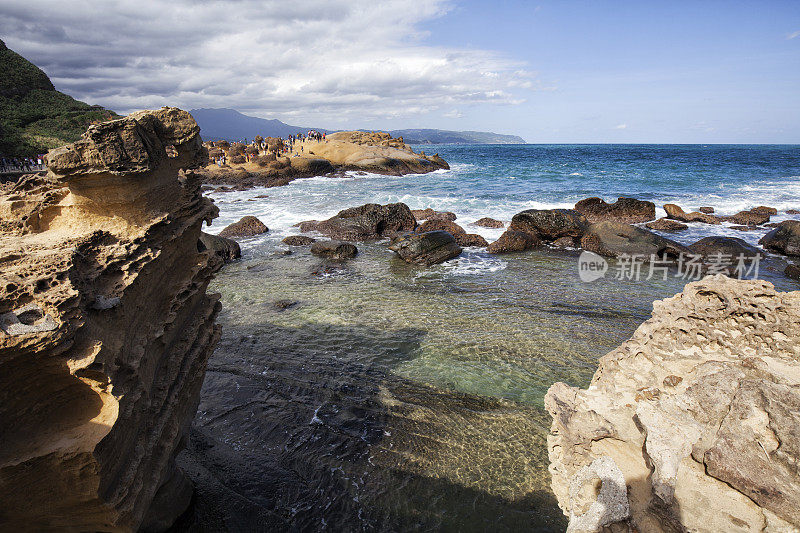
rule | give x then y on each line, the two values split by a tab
105	327
693	424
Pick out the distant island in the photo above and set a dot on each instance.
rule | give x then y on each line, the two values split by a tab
231	125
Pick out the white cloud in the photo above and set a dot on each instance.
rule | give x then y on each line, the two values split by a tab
330	59
792	35
621	126
453	113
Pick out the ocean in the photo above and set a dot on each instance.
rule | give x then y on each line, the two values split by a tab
377	395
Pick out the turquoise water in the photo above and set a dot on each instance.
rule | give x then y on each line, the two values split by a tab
392	397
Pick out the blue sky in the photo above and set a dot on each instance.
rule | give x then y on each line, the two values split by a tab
567	71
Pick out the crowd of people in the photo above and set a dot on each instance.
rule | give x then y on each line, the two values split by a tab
21	164
285	146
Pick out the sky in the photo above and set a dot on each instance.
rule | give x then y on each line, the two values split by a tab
700	71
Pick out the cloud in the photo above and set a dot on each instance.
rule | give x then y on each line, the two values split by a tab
792	35
621	126
330	59
453	113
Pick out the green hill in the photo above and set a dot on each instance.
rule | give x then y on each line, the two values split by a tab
34	117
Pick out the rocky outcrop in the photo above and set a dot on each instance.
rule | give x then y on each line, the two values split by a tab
613	239
227	249
699	411
751	217
462	237
430	214
706	209
732	247
784	239
298	240
365	223
426	248
107	328
676	213
629	210
334	249
487	222
666	224
248	226
550	224
514	241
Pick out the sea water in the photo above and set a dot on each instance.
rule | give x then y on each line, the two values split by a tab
377	395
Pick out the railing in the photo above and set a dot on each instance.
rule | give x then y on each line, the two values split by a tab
21	168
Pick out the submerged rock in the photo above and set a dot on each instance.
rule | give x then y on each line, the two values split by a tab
365	223
248	226
487	222
666	224
97	391
792	271
426	249
784	239
334	249
699	410
629	210
550	224
613	239
227	249
298	240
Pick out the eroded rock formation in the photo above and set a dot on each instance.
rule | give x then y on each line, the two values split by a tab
700	412
106	328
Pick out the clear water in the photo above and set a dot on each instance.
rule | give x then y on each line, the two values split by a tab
394	397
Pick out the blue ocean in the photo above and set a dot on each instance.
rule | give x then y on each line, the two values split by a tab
375	395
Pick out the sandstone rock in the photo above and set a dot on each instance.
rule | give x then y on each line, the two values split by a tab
706	210
298	240
334	249
366	222
487	222
699	410
430	214
765	209
248	226
613	239
550	224
227	249
514	241
426	248
94	410
784	239
676	213
752	217
629	210
726	246
666	224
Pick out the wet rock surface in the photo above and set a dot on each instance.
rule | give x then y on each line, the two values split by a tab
426	249
784	239
724	246
298	240
430	214
666	224
629	210
334	249
613	239
365	223
248	226
487	222
514	241
227	249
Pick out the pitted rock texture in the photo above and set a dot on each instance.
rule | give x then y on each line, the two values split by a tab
100	264
700	410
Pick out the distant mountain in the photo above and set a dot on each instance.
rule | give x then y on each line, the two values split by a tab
427	136
231	125
34	117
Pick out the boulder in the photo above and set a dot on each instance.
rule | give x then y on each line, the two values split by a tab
706	210
471	240
785	239
629	210
298	240
676	213
248	226
698	410
752	217
487	222
462	237
793	211
726	246
430	214
792	271
514	241
227	249
550	224
365	223
666	224
612	239
765	209
334	249
426	249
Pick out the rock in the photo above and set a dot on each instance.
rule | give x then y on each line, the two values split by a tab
764	209
785	239
699	410
471	240
487	222
792	271
727	246
744	228
666	224
227	249
629	210
612	239
430	214
334	249
550	224
283	305
676	213
706	210
514	241
366	222
248	226
100	263
753	217
462	237
426	249
298	240
793	211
